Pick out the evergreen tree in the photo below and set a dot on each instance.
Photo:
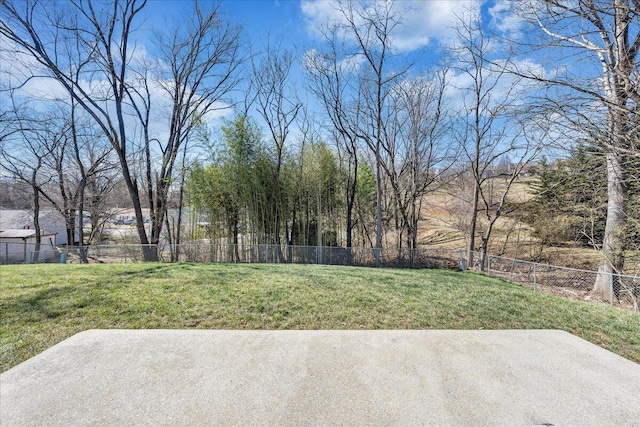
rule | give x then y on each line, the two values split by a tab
570	203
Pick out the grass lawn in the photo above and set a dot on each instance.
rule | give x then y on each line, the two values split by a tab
41	305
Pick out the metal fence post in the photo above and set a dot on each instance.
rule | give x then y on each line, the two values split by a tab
534	276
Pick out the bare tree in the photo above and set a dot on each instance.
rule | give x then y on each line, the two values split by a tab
103	34
174	224
24	156
603	38
331	78
371	27
99	178
91	160
63	156
492	128
418	147
279	108
201	58
67	163
525	144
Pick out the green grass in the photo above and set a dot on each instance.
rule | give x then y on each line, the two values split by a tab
41	305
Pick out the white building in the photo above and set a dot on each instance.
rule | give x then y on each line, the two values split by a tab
50	220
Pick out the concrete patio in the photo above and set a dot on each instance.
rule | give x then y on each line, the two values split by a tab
200	377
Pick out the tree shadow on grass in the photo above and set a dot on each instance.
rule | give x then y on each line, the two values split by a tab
146	272
52	303
165	270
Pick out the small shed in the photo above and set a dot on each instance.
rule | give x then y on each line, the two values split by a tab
20	246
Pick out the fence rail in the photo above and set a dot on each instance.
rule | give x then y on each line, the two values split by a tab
624	290
229	253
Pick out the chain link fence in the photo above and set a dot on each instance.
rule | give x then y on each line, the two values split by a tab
28	253
229	253
623	289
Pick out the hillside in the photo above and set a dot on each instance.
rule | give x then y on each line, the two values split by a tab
445	216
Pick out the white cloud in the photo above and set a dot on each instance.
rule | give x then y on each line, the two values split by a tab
505	88
19	70
318	13
422	21
505	20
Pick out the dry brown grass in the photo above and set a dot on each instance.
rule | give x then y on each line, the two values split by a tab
445	216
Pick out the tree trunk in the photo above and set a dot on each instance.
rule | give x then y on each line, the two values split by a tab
613	245
319	229
36	226
378	210
71	226
351	198
619	73
483	253
474	221
81	252
236	231
178	232
167	225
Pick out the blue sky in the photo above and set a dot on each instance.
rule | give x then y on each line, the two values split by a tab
292	23
258	17
426	24
426	27
282	19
